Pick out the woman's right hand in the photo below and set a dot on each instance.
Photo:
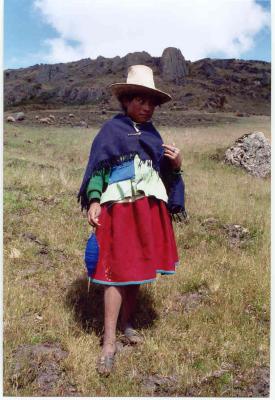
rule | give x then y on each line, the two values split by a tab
93	213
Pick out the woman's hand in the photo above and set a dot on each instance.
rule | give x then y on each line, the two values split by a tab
172	152
93	213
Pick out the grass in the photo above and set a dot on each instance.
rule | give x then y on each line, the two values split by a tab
45	291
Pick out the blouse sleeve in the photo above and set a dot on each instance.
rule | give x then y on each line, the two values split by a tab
97	184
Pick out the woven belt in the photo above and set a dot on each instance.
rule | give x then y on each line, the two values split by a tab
131	199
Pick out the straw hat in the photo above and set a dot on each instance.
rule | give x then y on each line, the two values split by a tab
140	79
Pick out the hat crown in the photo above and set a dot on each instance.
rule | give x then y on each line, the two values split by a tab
140	80
141	75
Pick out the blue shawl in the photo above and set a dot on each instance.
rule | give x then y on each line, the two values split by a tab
117	141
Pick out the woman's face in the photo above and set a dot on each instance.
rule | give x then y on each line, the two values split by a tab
141	108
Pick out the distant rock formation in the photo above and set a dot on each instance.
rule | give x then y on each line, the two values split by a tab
173	65
207	84
251	152
136	58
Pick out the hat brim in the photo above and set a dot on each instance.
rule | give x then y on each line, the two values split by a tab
120	88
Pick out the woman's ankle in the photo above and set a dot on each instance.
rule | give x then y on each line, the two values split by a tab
109	346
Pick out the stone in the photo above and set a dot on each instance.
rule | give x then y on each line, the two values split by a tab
173	65
83	124
15	253
160	385
45	120
10	118
236	234
19	116
252	152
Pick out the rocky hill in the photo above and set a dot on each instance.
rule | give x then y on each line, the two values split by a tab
207	84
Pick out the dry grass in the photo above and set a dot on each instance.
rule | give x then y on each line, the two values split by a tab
45	296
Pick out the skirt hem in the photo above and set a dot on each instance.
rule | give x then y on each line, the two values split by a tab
122	283
159	271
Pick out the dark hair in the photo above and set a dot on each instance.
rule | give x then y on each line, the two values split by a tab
125	97
130	96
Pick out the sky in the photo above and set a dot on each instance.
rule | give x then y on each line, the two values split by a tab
54	31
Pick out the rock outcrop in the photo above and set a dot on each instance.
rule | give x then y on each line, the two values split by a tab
210	84
173	65
251	152
138	57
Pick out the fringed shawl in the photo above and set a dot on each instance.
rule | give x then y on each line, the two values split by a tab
118	141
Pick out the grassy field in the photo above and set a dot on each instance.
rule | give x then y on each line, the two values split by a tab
206	329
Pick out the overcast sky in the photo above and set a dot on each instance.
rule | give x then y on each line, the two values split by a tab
52	31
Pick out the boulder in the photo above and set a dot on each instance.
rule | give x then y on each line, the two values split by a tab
19	116
10	118
173	65
251	152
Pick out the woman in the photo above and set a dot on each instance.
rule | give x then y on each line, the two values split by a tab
131	187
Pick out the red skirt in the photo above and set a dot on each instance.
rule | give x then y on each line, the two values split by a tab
136	241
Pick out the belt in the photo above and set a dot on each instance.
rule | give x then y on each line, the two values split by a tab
131	199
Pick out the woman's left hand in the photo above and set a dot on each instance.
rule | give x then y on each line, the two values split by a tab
172	152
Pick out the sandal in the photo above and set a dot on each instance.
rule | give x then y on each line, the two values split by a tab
132	336
105	364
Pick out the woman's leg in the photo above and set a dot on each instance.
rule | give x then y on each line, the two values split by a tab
129	305
112	304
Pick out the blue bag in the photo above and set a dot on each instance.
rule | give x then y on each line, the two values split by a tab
91	254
